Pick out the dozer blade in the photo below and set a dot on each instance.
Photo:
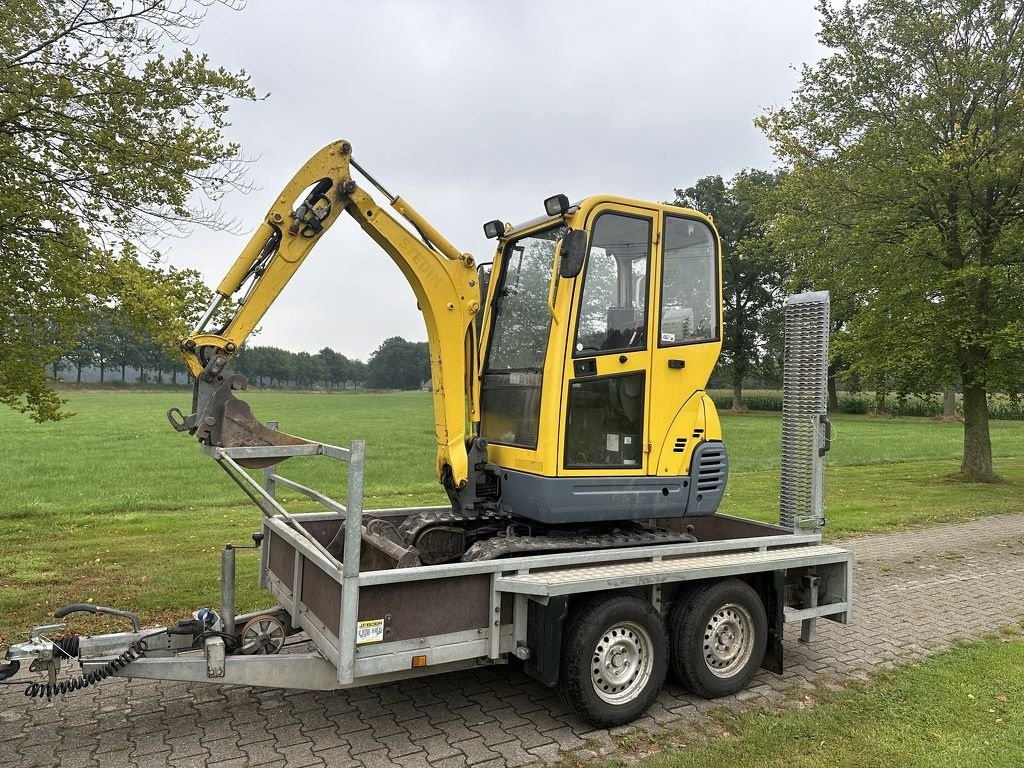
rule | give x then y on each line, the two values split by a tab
236	427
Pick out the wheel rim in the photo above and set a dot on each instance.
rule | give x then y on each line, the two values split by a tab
728	640
622	662
262	635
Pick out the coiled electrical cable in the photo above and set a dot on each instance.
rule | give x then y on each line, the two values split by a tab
69	645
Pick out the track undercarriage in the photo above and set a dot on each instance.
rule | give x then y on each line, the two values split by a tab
445	536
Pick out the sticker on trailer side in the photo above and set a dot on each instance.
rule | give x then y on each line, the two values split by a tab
370	631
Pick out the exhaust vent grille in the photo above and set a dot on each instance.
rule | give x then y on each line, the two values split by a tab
680	446
711	471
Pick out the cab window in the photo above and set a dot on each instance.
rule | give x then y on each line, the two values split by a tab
613	306
605	422
689	284
520	324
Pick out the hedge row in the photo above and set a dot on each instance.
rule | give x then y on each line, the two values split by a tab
999	406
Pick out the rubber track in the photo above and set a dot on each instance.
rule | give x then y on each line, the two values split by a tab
503	546
413	525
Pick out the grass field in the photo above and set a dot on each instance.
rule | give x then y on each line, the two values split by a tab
113	506
960	708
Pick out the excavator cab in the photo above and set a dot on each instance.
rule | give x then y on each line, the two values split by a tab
591	382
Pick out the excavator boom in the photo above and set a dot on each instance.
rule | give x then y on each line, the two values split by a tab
443	279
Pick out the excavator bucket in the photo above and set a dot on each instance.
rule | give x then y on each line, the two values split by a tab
237	427
221	419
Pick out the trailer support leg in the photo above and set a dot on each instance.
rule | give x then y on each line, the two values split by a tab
774	603
227	589
808	627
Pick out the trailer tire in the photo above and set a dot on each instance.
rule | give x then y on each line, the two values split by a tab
718	638
614	659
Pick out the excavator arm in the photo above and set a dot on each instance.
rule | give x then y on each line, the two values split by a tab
443	279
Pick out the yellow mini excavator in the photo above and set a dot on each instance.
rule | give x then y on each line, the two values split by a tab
579	359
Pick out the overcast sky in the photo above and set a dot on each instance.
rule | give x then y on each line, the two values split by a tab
479	110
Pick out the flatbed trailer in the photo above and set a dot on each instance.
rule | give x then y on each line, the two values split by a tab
374	625
372	622
603	625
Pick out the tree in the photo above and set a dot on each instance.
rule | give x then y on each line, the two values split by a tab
815	260
250	362
105	139
398	364
310	370
104	343
278	365
169	361
125	346
752	272
338	368
153	309
83	353
906	146
357	371
163	304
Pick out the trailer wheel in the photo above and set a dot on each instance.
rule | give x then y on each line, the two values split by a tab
614	659
718	638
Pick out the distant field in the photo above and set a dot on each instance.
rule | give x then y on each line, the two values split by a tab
113	505
119	454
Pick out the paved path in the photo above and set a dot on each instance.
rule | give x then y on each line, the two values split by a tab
915	593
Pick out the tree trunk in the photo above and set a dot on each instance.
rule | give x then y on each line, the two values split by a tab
123	379
737	397
78	373
174	376
102	371
833	390
880	408
977	462
949	404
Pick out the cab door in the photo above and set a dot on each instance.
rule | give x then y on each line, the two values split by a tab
513	390
687	339
606	387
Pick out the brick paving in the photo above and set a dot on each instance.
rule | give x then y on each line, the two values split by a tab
915	593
